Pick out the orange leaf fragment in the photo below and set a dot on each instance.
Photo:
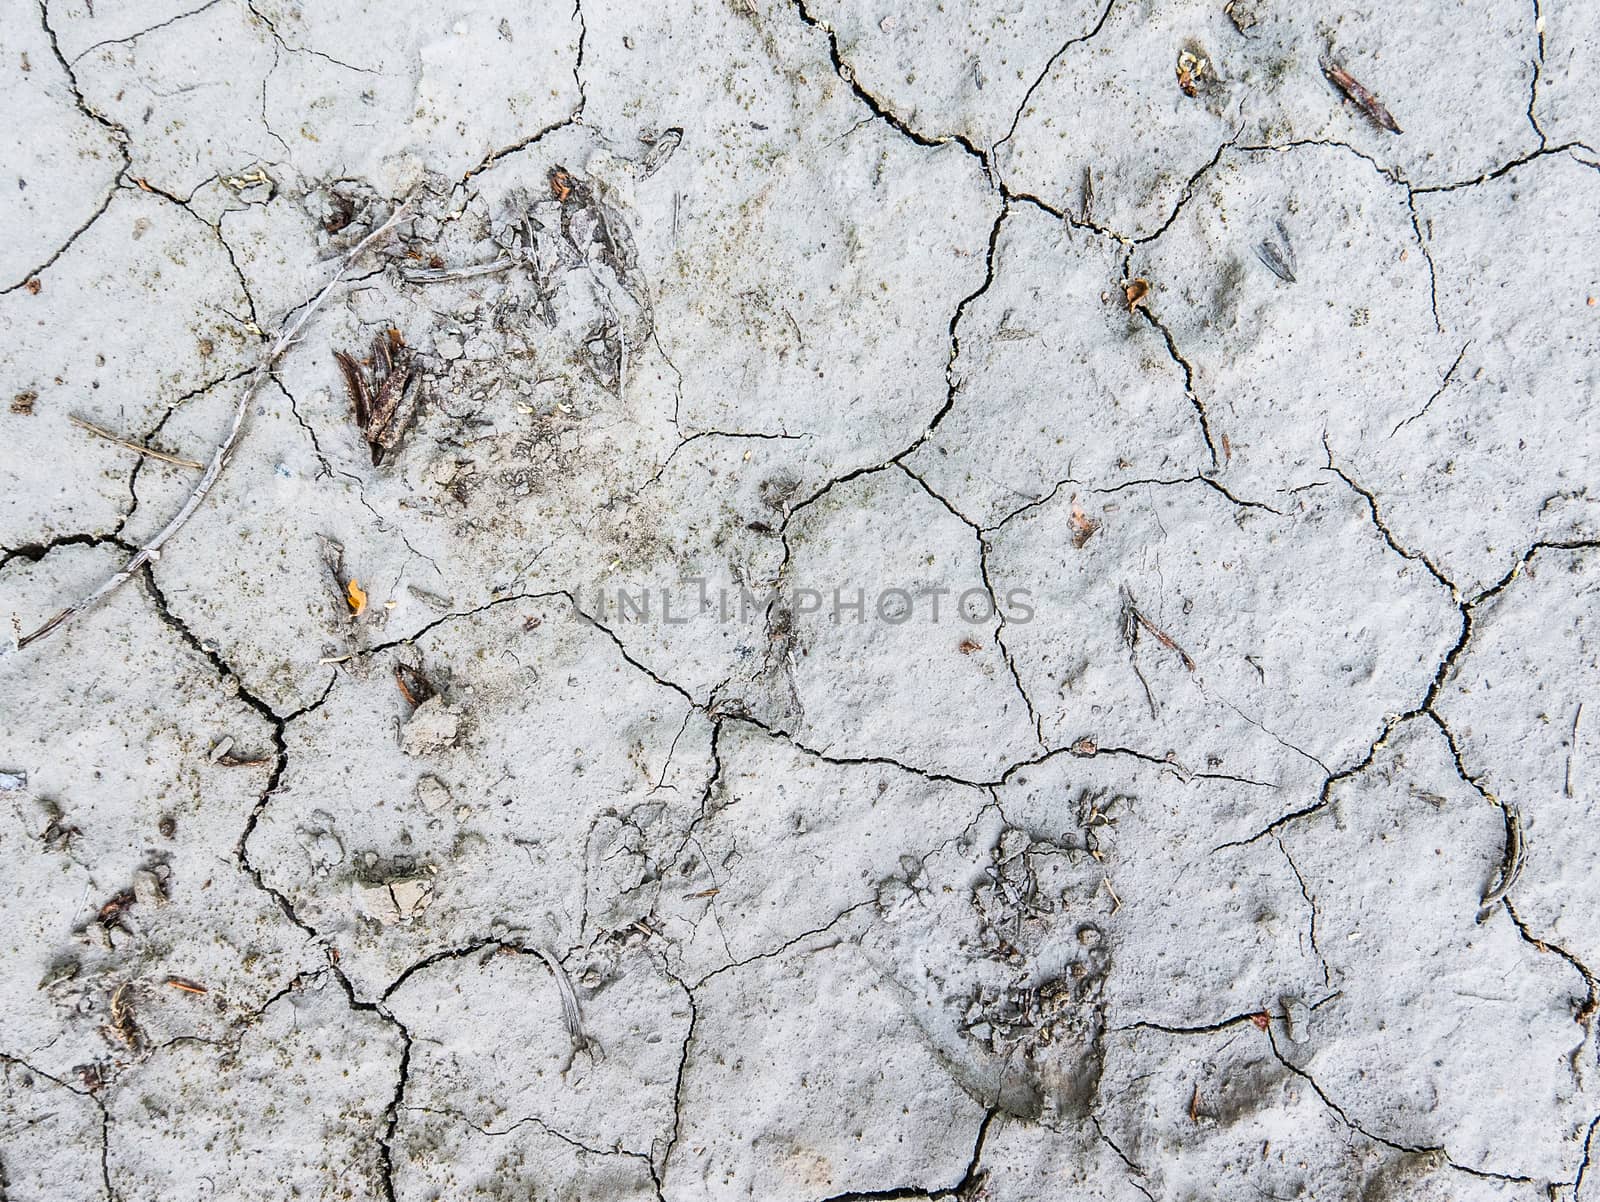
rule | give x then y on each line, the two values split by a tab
1082	525
355	597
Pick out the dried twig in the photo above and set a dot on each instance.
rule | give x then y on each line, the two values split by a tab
440	275
1132	614
1572	749
1370	106
102	432
1128	628
219	460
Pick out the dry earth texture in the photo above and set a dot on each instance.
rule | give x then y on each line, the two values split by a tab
522	760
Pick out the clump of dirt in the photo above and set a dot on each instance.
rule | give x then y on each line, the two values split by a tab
1046	1017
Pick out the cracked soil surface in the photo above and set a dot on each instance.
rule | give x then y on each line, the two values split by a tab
992	600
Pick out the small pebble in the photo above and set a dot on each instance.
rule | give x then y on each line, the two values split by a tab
1296	1019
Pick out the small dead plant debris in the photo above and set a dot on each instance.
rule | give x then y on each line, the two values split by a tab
384	391
1371	107
1278	256
413	685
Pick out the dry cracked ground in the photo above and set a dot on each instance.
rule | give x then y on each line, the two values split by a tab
994	600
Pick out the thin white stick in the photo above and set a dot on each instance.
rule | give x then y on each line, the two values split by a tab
1572	749
439	275
152	549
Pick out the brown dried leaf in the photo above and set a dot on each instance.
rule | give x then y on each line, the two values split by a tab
413	685
355	384
385	397
381	430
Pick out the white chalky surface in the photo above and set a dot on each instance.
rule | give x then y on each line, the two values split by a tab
1231	833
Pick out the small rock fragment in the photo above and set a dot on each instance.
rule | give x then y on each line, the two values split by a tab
58	833
411	897
148	889
1296	1019
322	846
1245	14
377	903
59	973
433	794
432	729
